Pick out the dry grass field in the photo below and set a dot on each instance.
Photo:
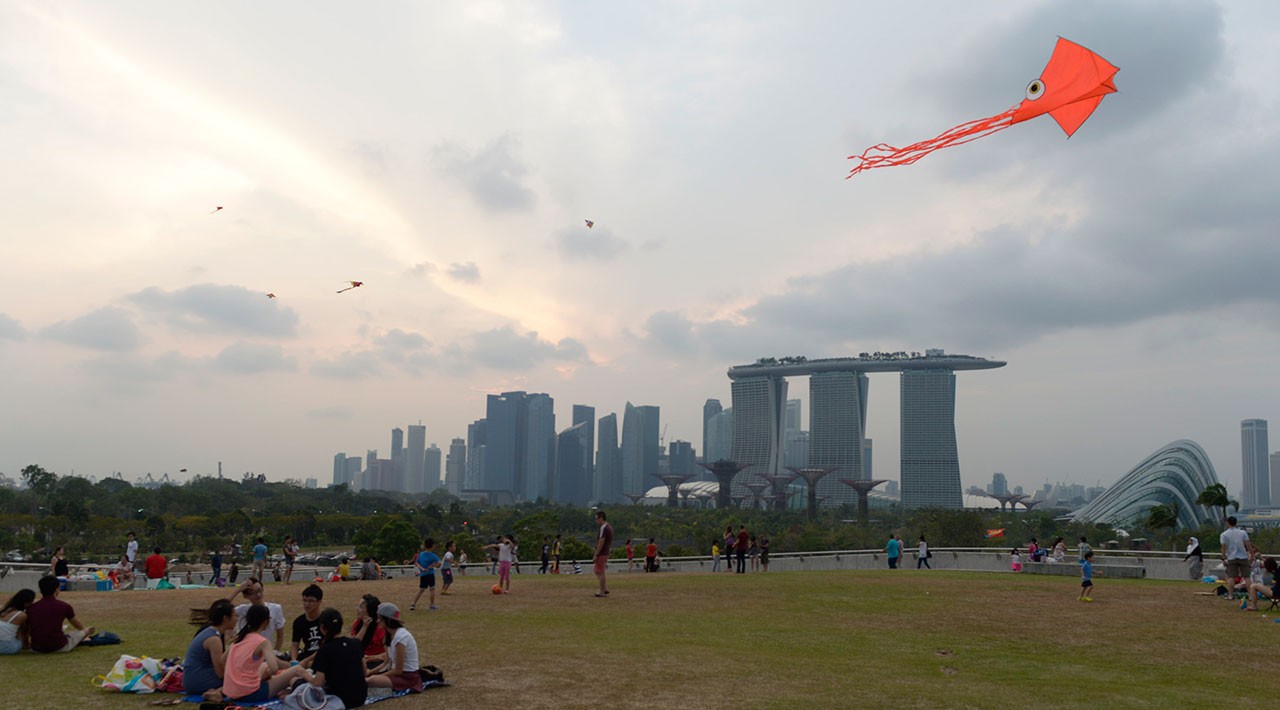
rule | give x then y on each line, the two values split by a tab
903	639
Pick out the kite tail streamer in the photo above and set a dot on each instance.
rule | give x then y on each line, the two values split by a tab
883	155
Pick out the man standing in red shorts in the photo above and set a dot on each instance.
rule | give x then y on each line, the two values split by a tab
603	542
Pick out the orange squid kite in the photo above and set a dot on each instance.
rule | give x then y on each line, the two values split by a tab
1071	86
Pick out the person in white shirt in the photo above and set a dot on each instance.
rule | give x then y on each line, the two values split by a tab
1235	555
253	593
402	653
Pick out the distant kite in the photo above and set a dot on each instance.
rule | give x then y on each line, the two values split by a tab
1071	86
271	295
354	284
182	470
590	224
215	209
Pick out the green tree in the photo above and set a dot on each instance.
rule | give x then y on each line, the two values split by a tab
1216	496
1162	516
395	542
40	481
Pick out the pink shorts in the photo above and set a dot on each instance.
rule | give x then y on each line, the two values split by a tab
1017	566
601	563
411	680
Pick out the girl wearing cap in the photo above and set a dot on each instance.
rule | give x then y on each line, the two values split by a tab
403	651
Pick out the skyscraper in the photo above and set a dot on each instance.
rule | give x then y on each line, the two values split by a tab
710	408
455	466
930	461
583	413
837	426
719	438
415	474
999	484
1275	475
680	458
431	476
506	415
473	478
1254	465
339	469
608	478
640	447
536	475
396	480
573	486
759	411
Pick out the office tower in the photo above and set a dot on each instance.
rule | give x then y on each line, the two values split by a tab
397	462
353	470
640	448
583	413
795	451
999	485
710	408
719	439
370	457
891	488
455	466
474	476
1275	477
867	448
1254	466
536	476
339	469
507	417
310	483
431	476
680	458
573	486
930	461
792	423
837	427
608	479
759	411
415	474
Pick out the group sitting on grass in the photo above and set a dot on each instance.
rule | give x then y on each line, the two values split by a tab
232	656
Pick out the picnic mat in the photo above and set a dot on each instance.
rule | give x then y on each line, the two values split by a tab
272	704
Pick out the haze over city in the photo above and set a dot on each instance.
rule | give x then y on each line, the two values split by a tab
449	156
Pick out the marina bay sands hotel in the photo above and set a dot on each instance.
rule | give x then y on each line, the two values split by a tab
930	464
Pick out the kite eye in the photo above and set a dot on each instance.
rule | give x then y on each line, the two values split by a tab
1035	90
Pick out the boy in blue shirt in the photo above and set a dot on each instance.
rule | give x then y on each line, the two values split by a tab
426	564
1086	577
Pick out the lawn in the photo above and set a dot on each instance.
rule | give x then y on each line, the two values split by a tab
795	639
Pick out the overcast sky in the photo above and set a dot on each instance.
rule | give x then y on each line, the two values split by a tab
447	155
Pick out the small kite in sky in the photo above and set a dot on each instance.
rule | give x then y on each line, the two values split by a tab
271	295
590	224
216	209
182	470
354	284
1071	86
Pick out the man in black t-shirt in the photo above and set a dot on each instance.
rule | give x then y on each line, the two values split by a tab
306	628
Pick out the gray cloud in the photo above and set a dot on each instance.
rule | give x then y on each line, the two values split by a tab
251	358
420	270
492	175
467	272
349	366
400	340
108	328
11	329
126	372
505	349
216	308
596	244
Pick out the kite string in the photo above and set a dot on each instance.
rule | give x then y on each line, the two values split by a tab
883	155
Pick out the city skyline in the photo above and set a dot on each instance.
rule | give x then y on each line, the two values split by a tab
448	156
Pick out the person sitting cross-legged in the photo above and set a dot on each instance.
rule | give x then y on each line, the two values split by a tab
45	618
1256	589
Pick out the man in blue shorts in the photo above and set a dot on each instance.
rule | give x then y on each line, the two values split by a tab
426	563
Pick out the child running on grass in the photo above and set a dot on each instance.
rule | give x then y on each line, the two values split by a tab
426	563
504	547
1086	577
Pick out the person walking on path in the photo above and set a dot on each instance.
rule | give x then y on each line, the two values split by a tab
650	557
291	550
446	567
715	555
631	556
1196	556
744	541
555	555
131	557
923	555
728	548
604	541
1084	547
1235	554
893	549
426	563
546	555
1086	577
753	553
260	559
764	554
215	562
